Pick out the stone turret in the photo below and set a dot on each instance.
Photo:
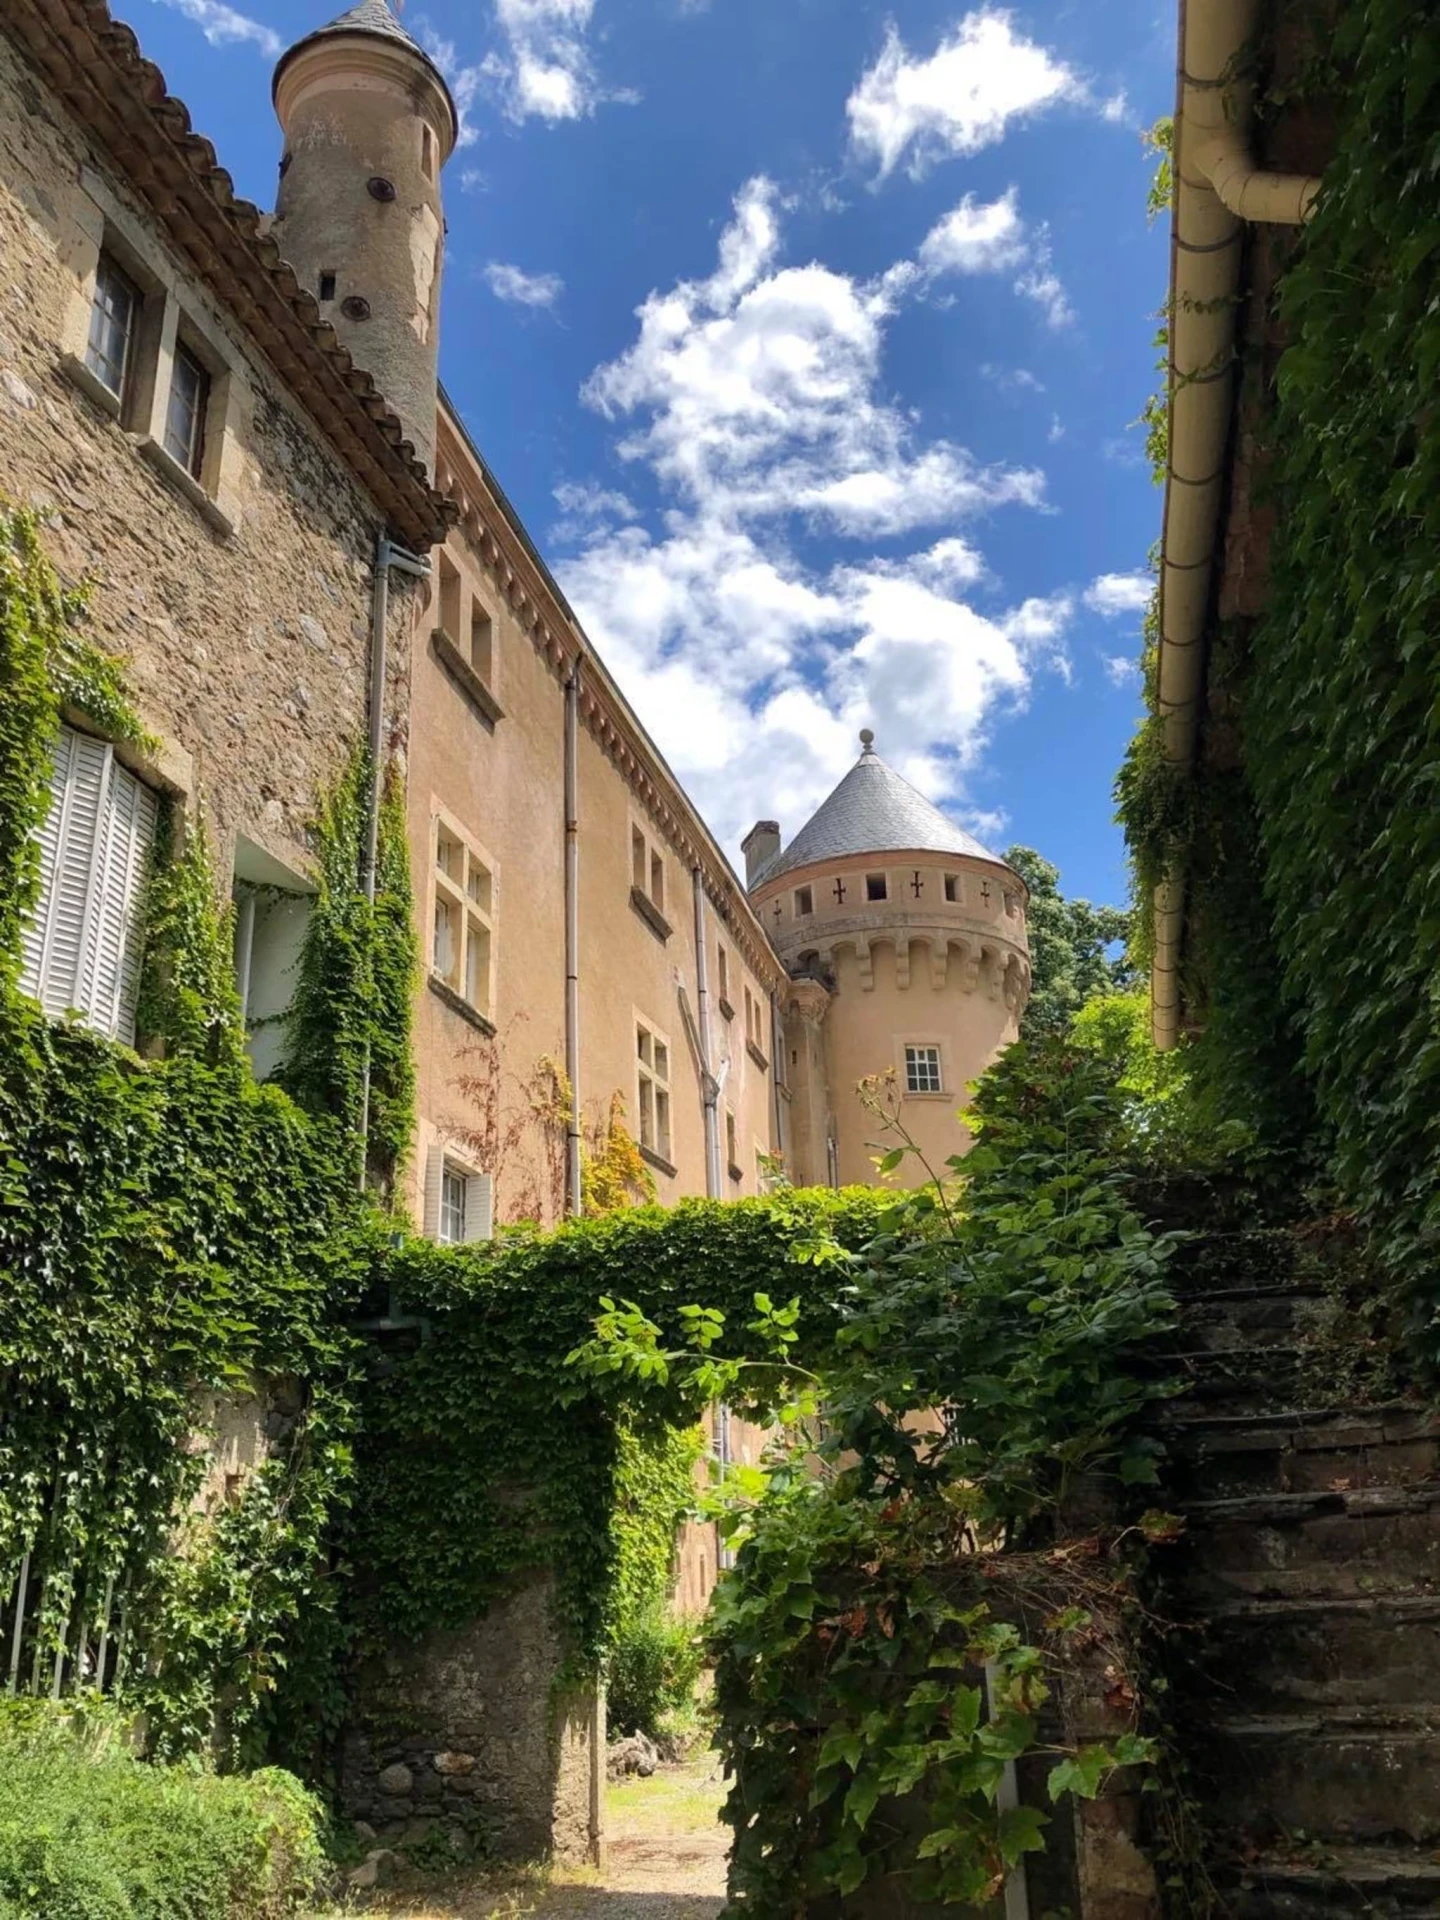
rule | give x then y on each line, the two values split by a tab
368	123
905	940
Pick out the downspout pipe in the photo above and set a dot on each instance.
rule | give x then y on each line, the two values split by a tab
1218	189
573	1192
388	555
709	1085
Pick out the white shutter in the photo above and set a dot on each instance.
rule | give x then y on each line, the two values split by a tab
112	974
480	1207
69	911
49	837
434	1177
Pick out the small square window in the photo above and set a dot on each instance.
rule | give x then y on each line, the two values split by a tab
804	901
113	315
645	1046
876	887
185	413
922	1070
952	888
449	856
327	283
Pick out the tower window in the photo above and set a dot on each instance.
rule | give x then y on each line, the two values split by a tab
327	284
804	901
185	414
952	888
876	887
922	1070
427	153
113	315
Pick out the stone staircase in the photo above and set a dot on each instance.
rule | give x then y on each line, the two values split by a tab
1305	1595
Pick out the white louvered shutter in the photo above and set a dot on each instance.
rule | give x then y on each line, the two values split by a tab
434	1181
49	838
67	912
480	1207
116	928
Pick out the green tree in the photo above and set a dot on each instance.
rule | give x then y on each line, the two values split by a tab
1070	942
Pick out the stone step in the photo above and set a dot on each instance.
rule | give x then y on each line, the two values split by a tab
1352	1776
1362	1541
1266	1315
1273	1656
1332	1450
1385	1883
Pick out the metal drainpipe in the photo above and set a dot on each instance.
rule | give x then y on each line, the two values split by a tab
1007	1797
573	1200
387	555
778	1076
709	1086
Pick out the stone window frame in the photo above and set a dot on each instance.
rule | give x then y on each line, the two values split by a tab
167	319
722	981
649	875
732	1148
456	599
469	908
931	1042
804	902
654	1115
953	889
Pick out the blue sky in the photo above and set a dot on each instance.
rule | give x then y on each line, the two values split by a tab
806	336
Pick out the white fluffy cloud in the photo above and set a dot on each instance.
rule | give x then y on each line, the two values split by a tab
522	289
990	236
546	69
1115	594
224	26
983	75
755	399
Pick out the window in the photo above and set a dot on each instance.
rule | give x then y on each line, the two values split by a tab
652	1053
876	887
804	902
482	640
461	943
272	911
952	888
722	979
113	318
922	1070
459	1202
185	414
327	283
82	948
647	881
449	596
732	1151
427	153
1012	904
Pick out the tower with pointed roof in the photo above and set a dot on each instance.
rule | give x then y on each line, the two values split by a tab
369	122
905	943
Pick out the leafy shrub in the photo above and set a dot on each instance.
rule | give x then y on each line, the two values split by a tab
654	1668
88	1832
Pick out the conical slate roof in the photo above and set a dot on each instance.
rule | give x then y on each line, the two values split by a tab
371	16
873	810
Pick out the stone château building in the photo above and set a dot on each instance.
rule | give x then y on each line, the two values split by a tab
233	425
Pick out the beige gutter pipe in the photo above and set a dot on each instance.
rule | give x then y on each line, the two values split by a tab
1217	190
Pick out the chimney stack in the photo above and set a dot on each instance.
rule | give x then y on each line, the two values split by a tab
759	847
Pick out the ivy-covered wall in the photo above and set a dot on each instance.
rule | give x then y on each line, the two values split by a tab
1311	836
171	1233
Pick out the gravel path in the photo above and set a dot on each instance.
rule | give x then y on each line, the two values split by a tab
665	1860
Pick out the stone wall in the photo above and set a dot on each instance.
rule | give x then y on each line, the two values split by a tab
463	1734
247	648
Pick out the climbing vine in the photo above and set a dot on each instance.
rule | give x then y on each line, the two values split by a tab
1310	835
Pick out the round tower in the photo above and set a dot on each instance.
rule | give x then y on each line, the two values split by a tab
906	946
368	123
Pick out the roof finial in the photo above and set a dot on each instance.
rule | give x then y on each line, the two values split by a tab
867	739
